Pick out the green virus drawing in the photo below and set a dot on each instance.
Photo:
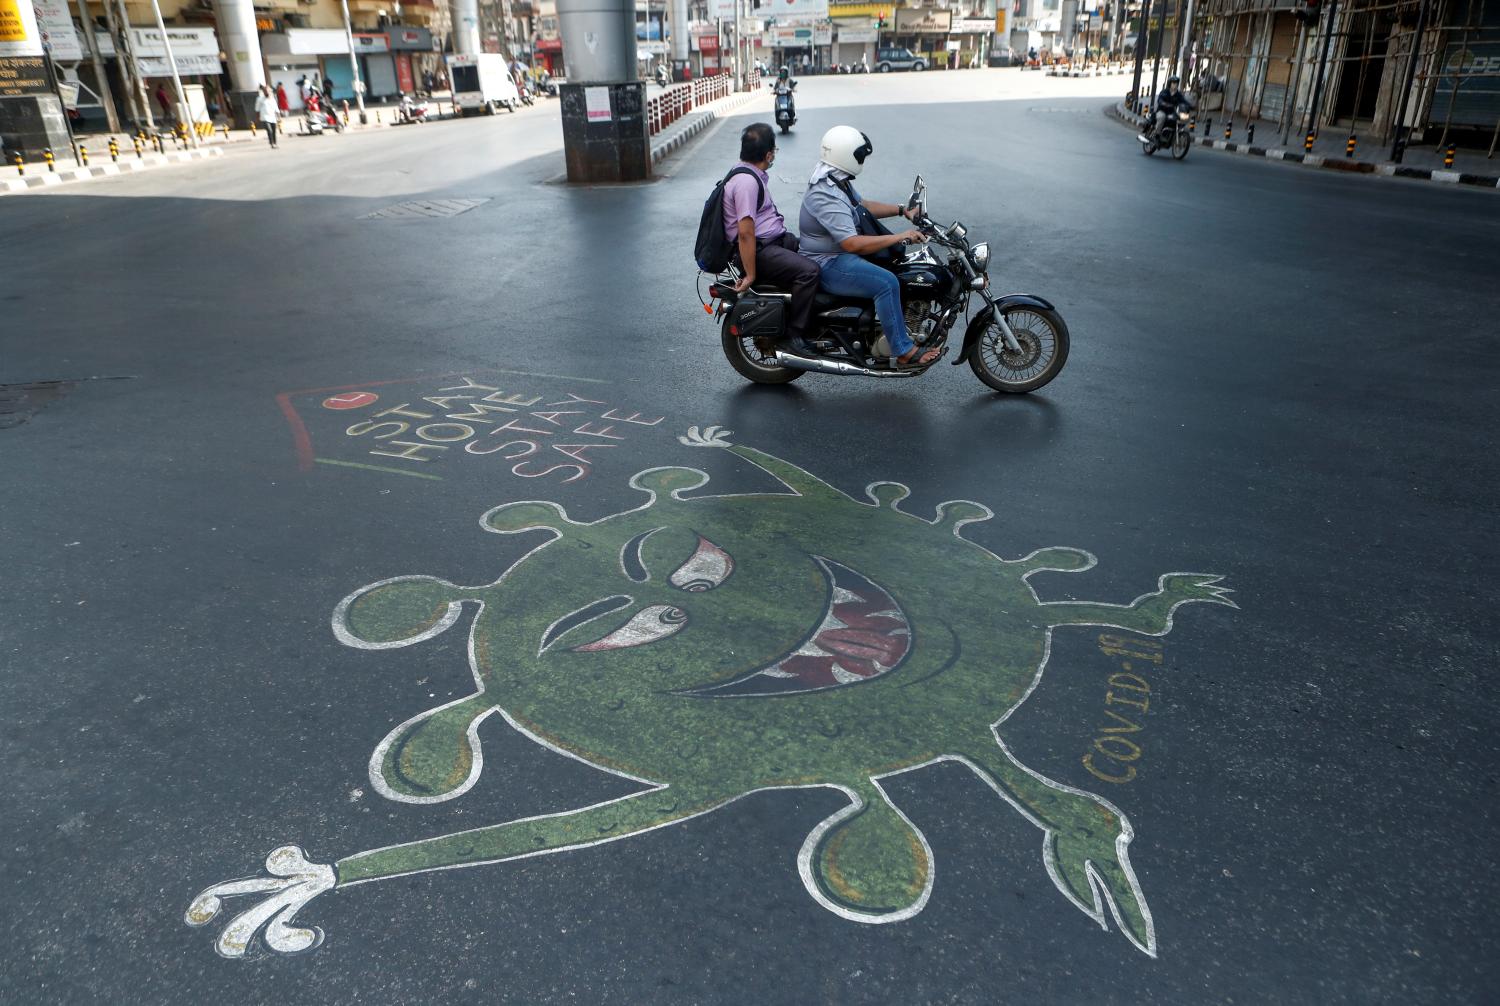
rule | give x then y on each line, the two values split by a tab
709	647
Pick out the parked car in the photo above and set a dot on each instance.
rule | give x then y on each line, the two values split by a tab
1006	56
901	58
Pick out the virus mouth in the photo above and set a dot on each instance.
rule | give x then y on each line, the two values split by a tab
862	635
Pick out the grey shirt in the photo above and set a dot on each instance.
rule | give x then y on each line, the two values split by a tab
826	220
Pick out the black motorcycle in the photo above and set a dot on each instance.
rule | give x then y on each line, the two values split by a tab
1176	134
1015	343
786	106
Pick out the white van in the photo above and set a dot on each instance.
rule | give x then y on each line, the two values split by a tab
482	81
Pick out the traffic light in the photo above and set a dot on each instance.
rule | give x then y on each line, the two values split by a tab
880	20
1308	10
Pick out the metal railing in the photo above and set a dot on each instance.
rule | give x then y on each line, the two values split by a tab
672	104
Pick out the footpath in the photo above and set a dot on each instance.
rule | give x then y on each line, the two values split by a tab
92	157
1331	150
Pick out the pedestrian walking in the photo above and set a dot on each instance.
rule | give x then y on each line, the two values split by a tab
430	79
164	100
283	104
268	113
328	91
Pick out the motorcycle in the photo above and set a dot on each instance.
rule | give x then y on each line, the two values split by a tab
786	106
1176	135
318	119
1015	343
410	112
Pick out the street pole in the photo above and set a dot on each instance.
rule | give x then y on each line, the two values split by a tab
184	114
1290	111
1161	35
1185	26
130	69
359	85
106	94
1398	147
1317	95
1140	51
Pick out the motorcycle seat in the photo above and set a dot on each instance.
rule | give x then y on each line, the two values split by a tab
821	301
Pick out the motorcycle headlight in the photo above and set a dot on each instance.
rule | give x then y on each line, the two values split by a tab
1182	116
980	256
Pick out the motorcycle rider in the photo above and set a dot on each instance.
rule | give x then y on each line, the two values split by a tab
1168	102
767	250
831	238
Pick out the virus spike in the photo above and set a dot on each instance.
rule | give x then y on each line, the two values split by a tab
512	518
668	481
887	494
957	513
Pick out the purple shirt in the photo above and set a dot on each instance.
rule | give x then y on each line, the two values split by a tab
740	194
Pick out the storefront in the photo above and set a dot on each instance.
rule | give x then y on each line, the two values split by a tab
311	53
706	45
854	41
925	32
548	46
969	40
377	66
411	50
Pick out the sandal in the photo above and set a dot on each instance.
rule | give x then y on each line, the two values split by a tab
915	359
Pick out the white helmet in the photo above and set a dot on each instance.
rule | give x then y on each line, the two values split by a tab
846	148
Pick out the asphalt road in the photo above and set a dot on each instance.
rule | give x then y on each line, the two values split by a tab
1283	377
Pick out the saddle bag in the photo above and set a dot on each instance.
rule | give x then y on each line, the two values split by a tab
756	316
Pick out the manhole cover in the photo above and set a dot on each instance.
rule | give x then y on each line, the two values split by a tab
420	209
19	402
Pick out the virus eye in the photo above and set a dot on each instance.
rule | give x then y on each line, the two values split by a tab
630	557
709	566
647	626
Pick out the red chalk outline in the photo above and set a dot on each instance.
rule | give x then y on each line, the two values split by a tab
302	441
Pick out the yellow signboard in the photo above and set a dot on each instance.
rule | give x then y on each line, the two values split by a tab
18	32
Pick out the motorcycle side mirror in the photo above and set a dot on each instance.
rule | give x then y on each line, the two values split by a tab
918	187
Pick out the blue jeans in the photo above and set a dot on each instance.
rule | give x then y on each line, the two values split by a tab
851	276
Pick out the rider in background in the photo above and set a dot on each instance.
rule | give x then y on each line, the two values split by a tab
831	237
1167	103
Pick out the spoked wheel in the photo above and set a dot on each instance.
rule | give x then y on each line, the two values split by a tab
1148	148
752	362
1043	338
1182	141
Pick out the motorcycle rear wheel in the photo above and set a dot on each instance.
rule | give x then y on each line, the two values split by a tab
750	362
1043	336
1182	142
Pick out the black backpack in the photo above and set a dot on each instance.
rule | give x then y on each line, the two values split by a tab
713	249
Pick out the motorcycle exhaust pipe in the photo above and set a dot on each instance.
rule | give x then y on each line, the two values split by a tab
821	366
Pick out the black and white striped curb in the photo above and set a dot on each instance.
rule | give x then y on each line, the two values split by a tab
696	122
1094	71
1347	165
38	177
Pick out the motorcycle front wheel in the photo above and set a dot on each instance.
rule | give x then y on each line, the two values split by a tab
1043	338
1182	141
750	362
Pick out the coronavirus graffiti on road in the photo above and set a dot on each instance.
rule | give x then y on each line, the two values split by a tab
712	646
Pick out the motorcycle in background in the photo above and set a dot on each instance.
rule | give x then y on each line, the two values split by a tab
786	105
1176	135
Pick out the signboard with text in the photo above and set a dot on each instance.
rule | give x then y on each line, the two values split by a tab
792	8
195	51
924	21
58	34
23	75
19	35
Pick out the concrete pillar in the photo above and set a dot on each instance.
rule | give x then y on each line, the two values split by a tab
679	37
240	41
605	133
466	28
598	39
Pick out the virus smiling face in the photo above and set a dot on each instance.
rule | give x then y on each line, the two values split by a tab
711	646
